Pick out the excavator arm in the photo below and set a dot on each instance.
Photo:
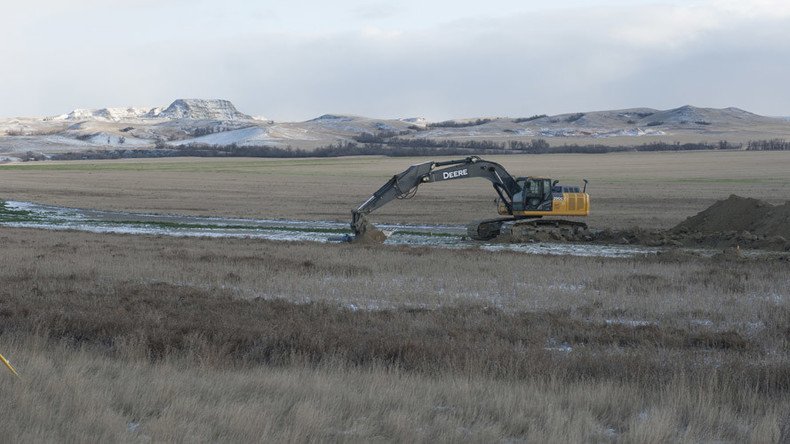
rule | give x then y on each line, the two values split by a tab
404	185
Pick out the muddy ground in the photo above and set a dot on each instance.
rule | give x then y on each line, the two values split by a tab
735	223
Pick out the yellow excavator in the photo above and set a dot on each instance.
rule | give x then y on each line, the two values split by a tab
525	200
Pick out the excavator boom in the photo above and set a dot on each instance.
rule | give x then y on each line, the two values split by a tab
404	185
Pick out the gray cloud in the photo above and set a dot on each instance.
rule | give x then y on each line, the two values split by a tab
715	53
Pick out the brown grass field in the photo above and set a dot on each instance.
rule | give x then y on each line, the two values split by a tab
651	190
138	338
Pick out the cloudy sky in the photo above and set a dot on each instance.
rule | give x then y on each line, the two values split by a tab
441	59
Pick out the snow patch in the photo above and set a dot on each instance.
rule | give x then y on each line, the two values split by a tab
250	136
195	109
105	114
553	345
107	139
599	132
417	121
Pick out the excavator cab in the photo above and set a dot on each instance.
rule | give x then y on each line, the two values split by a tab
534	194
538	197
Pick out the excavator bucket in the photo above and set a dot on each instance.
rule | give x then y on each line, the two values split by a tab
366	232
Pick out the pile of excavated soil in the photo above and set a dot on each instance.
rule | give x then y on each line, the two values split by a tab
739	221
740	214
736	222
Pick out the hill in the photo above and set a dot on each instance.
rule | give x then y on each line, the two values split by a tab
194	122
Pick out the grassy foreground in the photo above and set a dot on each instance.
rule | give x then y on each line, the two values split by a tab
124	338
82	395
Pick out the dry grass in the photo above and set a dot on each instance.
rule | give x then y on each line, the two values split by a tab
736	292
199	339
80	395
651	190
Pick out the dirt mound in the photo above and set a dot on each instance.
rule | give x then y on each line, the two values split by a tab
740	214
778	222
734	223
732	214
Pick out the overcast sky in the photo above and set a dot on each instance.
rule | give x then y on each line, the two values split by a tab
443	59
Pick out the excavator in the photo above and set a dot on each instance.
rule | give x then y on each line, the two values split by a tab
522	200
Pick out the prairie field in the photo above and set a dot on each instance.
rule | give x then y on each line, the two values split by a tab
153	338
650	190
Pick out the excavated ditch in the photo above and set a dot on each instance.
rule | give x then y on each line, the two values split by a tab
734	223
33	215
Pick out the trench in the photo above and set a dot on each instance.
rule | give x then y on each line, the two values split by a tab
52	217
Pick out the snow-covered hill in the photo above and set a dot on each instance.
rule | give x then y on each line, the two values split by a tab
201	109
105	114
193	109
217	122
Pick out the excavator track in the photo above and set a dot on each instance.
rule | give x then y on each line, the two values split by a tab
543	230
488	229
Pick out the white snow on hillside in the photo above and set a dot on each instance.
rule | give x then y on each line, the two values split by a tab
352	125
106	139
202	109
292	132
241	137
105	114
194	109
598	132
417	121
222	124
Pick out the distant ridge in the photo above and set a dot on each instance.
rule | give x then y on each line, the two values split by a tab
224	110
192	109
104	114
217	122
